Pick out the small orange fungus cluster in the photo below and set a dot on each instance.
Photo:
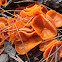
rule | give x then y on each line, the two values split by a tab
41	27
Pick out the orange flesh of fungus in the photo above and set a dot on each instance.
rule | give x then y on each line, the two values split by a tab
44	9
18	24
43	46
53	46
1	39
43	27
11	22
33	11
30	13
50	19
19	9
57	18
3	20
2	35
25	35
29	44
18	17
3	2
29	9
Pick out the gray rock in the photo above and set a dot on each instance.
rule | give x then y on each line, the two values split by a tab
3	58
9	49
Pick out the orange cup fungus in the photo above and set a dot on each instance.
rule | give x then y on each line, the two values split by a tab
43	27
56	18
28	44
52	48
45	44
33	10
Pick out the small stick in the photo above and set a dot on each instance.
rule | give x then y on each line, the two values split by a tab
50	52
19	58
28	21
12	14
52	38
53	53
6	37
7	17
56	55
52	58
41	59
5	29
8	3
12	10
1	50
15	30
58	29
15	58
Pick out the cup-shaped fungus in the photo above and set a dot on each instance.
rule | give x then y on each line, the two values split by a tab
45	44
29	43
48	54
57	18
43	27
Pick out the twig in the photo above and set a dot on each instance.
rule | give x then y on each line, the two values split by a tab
53	53
1	50
28	21
7	17
52	38
15	30
50	52
41	59
6	29
15	58
52	58
19	58
6	37
12	14
8	3
11	10
58	29
56	55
